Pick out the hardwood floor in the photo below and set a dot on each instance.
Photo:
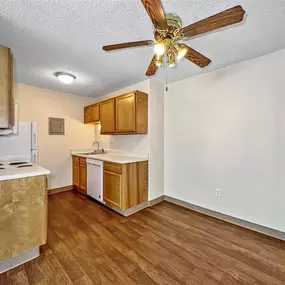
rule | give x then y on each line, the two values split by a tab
166	244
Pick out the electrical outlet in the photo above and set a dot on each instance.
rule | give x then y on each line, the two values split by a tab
218	192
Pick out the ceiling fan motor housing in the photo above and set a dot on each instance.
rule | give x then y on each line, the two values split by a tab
173	20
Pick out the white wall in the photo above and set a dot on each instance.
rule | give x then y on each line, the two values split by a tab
226	130
156	131
37	105
153	142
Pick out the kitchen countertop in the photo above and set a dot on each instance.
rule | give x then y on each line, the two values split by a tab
115	156
16	173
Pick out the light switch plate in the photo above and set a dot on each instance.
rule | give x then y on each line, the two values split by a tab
56	126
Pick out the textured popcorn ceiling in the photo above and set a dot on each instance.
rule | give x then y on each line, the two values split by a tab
67	35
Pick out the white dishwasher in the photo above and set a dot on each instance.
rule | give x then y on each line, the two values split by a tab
95	179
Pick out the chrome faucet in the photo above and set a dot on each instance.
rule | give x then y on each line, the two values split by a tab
98	147
98	150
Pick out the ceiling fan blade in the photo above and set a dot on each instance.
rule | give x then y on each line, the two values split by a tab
152	68
127	45
220	20
156	13
196	57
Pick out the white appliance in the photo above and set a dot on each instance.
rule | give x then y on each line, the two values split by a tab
95	179
14	129
22	146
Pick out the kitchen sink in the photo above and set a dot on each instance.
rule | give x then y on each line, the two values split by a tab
94	152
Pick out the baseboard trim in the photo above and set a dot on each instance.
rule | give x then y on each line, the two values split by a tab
130	211
59	190
232	220
156	200
19	259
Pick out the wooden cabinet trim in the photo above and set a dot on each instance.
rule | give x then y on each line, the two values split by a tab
113	167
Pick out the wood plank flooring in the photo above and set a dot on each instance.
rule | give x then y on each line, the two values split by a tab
165	244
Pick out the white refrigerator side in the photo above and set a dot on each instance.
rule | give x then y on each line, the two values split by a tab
34	158
17	146
34	133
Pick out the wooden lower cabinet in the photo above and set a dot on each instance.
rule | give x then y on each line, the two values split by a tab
113	188
79	173
75	173
125	185
23	222
83	177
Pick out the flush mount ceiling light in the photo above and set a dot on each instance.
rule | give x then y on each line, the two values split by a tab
65	77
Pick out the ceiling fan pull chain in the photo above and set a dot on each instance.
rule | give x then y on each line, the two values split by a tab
165	66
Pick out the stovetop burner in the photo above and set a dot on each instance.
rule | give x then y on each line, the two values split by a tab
17	163
27	165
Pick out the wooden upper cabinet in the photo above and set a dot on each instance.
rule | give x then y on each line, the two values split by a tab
132	113
92	114
126	114
87	115
6	88
107	116
95	113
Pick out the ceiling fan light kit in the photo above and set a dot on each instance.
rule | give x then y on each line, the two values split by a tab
168	31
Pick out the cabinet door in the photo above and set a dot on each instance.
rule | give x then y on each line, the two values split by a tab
5	87
83	178
87	115
75	174
107	116
95	113
125	114
112	189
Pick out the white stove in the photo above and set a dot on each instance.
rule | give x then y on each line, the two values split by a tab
15	164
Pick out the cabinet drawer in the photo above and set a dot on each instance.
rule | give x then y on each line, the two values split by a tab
113	167
82	160
75	159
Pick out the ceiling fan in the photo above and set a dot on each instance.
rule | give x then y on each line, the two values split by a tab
168	31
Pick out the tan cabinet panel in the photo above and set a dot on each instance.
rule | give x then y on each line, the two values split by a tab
79	174
23	211
95	113
112	188
107	116
83	177
87	115
75	173
6	88
125	114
